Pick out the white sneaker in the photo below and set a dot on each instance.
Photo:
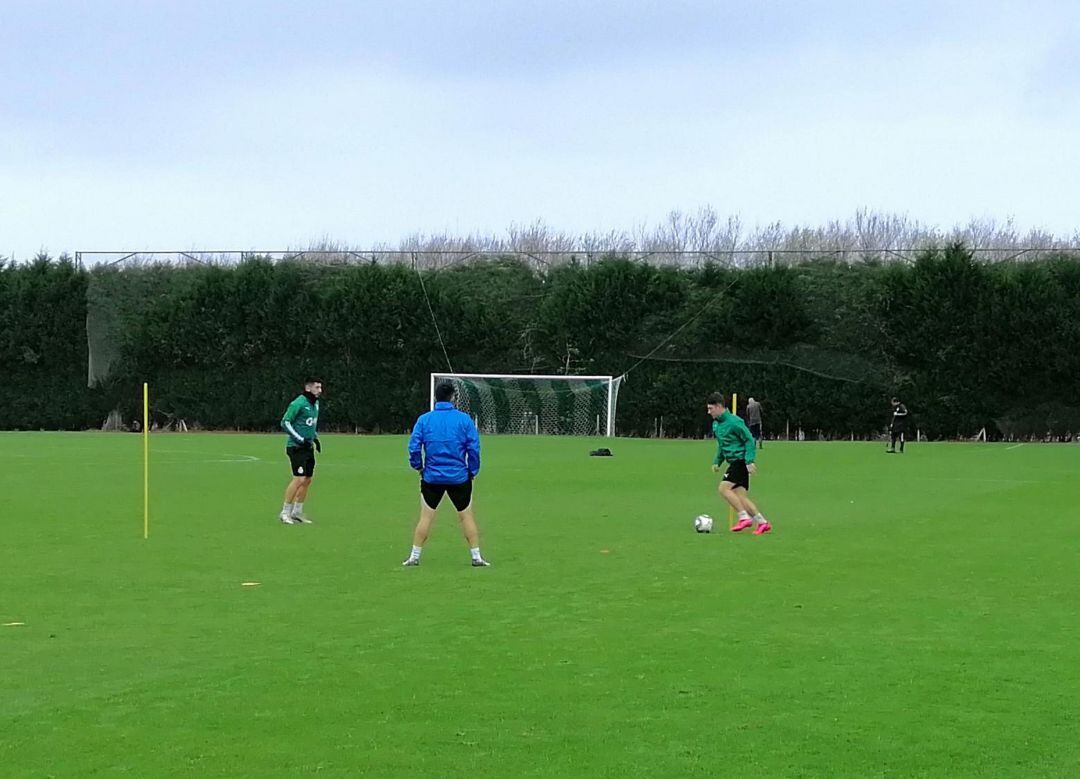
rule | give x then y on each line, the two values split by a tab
300	519
287	520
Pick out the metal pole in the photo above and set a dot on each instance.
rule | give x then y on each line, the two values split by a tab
611	408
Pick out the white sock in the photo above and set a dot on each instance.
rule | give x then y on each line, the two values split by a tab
415	553
287	509
475	552
297	509
743	515
760	519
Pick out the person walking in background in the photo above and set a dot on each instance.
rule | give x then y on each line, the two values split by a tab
897	426
753	421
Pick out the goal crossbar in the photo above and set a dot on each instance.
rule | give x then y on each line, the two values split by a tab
552	377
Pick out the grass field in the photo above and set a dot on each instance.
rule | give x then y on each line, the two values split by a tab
910	616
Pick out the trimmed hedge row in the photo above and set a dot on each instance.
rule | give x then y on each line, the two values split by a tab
822	345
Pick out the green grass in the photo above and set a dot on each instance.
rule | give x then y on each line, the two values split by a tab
910	616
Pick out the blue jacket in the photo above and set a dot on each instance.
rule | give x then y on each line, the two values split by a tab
450	443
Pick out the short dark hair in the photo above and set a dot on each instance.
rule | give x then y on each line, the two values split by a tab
896	400
716	399
445	392
309	381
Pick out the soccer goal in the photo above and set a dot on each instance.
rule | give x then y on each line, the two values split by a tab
536	405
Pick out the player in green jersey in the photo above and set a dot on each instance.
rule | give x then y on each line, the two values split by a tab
735	444
301	424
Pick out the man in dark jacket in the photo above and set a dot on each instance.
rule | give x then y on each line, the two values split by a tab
897	426
445	449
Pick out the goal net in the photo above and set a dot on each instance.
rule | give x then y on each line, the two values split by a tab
536	405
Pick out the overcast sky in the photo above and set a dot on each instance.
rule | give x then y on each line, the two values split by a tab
241	125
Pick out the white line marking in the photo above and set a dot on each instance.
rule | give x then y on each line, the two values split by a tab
233	458
981	481
1017	446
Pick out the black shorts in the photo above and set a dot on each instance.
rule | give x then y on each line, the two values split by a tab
460	494
302	460
738	475
755	430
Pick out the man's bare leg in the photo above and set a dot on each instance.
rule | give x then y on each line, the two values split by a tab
469	528
752	510
299	498
291	492
472	535
421	533
730	493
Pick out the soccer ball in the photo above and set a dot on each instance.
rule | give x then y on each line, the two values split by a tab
703	524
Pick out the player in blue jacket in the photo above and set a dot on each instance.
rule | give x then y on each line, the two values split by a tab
445	448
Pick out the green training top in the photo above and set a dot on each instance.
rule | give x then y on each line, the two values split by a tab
733	439
301	421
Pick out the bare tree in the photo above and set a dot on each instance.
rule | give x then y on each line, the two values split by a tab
682	238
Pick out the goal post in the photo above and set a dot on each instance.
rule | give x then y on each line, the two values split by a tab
529	404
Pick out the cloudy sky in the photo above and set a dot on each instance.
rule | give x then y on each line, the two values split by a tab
240	125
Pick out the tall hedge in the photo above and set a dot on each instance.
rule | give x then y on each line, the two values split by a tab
43	348
823	345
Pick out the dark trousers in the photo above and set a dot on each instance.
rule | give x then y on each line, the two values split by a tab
755	431
894	436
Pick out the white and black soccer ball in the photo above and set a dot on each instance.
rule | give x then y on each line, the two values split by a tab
703	523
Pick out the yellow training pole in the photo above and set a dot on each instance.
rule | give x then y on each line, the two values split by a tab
734	410
146	458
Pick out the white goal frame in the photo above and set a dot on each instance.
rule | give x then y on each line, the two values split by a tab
610	380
